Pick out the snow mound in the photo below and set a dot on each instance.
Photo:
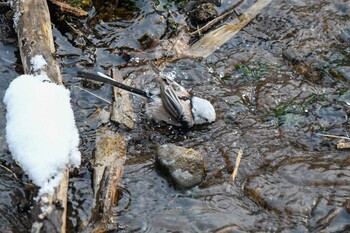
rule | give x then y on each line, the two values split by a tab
40	129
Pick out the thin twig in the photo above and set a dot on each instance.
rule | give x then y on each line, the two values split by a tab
99	97
333	136
238	161
65	7
217	20
14	175
10	171
9	61
343	145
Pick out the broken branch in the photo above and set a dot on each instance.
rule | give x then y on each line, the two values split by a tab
215	39
238	161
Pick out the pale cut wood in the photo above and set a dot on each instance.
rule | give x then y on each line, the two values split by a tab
215	39
343	145
238	161
122	110
33	27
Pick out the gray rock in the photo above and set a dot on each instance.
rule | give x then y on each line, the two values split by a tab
186	167
203	13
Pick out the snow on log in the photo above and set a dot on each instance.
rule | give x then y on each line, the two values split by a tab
43	114
43	147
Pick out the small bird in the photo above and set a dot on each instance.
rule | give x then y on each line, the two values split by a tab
171	103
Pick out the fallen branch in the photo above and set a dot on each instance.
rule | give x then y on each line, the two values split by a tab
238	161
215	39
110	156
343	145
333	136
65	7
109	159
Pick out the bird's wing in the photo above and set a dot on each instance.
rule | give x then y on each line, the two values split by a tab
171	102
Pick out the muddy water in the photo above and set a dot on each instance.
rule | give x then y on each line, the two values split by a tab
276	86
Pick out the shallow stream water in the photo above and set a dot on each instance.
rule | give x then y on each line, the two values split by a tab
276	86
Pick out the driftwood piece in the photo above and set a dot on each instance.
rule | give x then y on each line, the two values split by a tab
238	161
109	159
110	156
215	39
33	27
343	145
65	7
122	110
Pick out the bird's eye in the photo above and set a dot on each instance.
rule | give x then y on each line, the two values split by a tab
184	98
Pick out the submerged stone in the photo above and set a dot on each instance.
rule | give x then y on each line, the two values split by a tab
186	167
203	13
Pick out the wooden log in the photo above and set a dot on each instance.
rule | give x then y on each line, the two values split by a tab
215	39
109	159
65	7
343	145
110	156
33	27
122	110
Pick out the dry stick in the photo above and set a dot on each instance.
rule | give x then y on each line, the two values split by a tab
97	96
333	136
65	7
238	161
343	145
34	33
340	145
217	20
214	39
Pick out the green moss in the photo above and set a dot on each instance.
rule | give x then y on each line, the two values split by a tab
255	70
292	113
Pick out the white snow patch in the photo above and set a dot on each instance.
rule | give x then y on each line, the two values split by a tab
40	129
38	62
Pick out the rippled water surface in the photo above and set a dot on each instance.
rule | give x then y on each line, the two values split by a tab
277	86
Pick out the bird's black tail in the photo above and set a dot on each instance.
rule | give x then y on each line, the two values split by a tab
110	81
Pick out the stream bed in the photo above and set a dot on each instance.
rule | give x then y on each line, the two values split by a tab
278	87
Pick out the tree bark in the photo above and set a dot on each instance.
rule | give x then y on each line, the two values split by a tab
33	26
